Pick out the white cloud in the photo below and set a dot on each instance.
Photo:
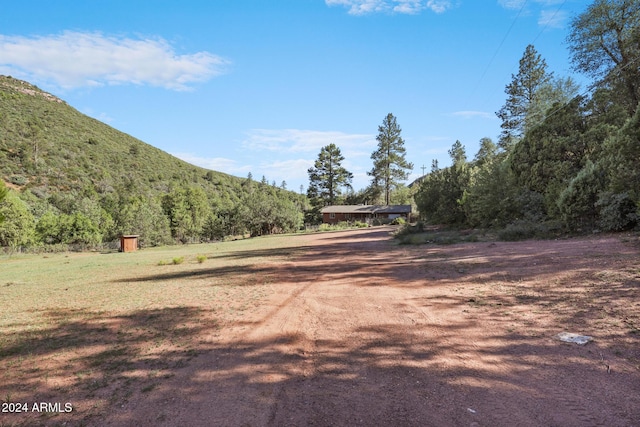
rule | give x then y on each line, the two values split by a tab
363	7
512	4
549	16
553	18
287	170
220	164
77	59
309	141
474	114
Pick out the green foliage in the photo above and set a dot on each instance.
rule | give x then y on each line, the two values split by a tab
390	166
398	221
134	215
3	195
567	161
490	199
262	213
577	202
187	209
76	228
551	154
178	260
327	177
17	229
621	158
67	163
617	211
416	234
201	258
604	42
342	225
522	230
440	196
18	180
520	113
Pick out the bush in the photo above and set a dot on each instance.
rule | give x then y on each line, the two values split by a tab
201	258
520	230
381	221
17	228
18	180
398	221
178	260
577	202
617	212
325	227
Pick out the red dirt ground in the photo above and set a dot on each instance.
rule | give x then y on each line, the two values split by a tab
360	331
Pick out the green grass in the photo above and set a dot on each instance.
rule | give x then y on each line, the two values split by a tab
96	328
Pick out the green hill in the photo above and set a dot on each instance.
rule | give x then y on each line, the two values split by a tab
63	163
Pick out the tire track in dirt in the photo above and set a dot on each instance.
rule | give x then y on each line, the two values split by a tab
358	333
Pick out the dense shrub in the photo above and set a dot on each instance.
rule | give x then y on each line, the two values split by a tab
617	212
521	230
577	202
17	228
18	180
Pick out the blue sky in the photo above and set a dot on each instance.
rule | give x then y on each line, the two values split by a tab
260	86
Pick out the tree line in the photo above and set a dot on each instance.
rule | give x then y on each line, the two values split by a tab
330	182
185	213
564	160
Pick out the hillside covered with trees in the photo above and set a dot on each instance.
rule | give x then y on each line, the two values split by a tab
566	160
75	180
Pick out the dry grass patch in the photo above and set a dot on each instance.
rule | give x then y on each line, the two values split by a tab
93	329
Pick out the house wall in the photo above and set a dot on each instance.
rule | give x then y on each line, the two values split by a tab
338	217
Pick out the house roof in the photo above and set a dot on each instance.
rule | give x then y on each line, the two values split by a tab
368	209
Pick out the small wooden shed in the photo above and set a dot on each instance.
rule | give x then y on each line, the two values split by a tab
129	243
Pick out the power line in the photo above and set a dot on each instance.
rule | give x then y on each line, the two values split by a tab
549	21
590	88
484	73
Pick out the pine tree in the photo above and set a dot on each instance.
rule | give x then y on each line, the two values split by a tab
390	166
327	176
518	113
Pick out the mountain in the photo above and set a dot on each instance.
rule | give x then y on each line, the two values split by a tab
48	146
63	162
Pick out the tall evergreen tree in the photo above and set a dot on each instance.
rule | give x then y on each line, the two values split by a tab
327	176
390	166
518	114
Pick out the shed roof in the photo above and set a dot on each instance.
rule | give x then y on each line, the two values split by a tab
368	209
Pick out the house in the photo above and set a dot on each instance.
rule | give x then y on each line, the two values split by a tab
364	213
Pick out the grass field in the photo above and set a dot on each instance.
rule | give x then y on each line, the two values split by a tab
92	328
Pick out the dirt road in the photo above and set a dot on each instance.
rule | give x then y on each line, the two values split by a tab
358	331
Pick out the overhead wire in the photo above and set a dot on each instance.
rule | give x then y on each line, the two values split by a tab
590	88
549	21
495	54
